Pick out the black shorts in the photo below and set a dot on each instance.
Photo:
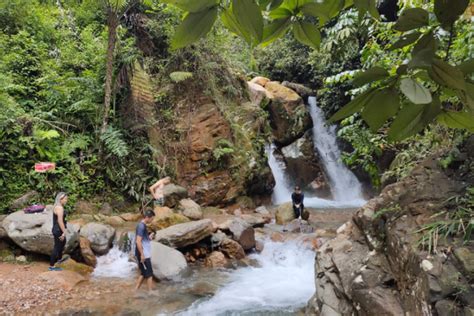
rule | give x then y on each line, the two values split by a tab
145	268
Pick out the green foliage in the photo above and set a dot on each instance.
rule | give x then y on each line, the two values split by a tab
114	142
178	76
223	150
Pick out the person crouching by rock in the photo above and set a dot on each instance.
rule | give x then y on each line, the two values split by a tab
297	198
156	191
59	230
143	250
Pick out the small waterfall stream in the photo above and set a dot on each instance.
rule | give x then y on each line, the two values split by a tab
282	190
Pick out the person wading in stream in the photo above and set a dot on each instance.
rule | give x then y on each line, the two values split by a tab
297	198
143	250
156	191
59	230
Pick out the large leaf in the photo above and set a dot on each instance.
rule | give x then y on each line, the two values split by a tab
354	106
448	11
324	10
467	96
307	33
249	16
230	22
193	27
406	40
370	75
415	91
274	30
192	5
383	105
467	67
462	120
447	75
411	19
280	13
412	118
424	52
364	6
268	5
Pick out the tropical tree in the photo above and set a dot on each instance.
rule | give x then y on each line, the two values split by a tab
115	10
415	93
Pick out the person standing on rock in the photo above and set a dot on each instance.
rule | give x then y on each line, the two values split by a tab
156	191
143	250
297	198
59	230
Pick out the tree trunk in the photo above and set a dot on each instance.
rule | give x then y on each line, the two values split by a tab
112	23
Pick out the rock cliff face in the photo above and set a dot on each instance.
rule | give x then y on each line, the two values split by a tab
375	265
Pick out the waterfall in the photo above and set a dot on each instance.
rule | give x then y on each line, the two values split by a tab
282	284
282	190
116	263
345	187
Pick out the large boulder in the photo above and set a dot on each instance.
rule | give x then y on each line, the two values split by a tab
32	232
72	265
185	234
289	117
302	90
256	220
173	194
165	217
303	166
258	94
232	249
3	232
101	236
261	81
284	213
86	252
190	209
24	200
167	262
243	233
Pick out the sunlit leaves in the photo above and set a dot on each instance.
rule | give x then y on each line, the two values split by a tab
324	10
248	15
406	40
307	33
275	30
415	91
411	19
462	120
192	5
193	27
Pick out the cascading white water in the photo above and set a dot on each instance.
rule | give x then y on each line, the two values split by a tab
281	191
284	282
115	264
346	189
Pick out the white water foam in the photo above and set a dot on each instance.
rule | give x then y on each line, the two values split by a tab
345	187
283	282
281	191
115	264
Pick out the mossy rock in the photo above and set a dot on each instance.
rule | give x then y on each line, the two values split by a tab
167	221
6	255
245	202
74	266
211	211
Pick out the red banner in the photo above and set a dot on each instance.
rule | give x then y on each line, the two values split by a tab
44	166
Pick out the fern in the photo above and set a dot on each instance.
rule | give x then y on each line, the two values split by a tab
113	140
179	76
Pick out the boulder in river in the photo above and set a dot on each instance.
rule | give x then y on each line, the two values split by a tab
284	213
232	249
190	209
101	236
72	265
167	262
32	232
86	252
173	194
243	233
216	260
185	234
165	217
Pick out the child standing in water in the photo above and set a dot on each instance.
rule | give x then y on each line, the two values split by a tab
156	191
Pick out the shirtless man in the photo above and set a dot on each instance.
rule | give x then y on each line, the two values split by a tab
156	191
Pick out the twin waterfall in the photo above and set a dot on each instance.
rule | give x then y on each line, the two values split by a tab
345	188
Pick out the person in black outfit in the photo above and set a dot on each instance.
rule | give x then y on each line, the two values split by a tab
297	198
59	230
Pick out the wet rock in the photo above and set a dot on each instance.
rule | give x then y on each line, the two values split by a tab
262	81
262	210
86	252
232	249
302	90
245	202
466	259
243	233
190	209
131	217
100	236
167	262
182	235
106	209
256	220
85	207
71	265
173	194
24	200
298	226
277	237
284	213
259	246
217	238
216	260
64	279
32	232
203	289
